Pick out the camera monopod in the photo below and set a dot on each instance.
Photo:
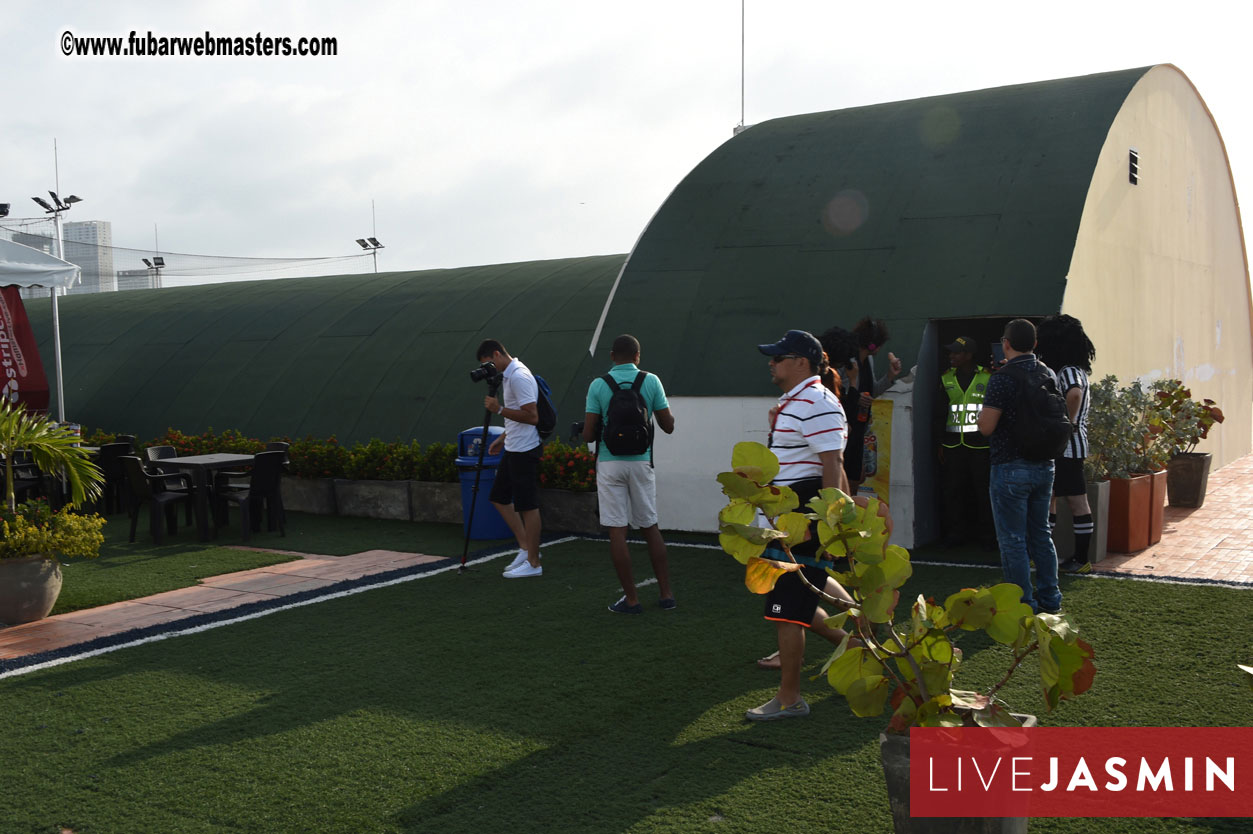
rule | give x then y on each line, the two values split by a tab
478	474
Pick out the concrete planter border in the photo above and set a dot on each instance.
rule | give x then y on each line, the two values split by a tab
562	510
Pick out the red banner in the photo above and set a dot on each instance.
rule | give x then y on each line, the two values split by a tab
1081	772
22	377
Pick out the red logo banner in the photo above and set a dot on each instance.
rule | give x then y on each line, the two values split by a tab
1081	772
22	377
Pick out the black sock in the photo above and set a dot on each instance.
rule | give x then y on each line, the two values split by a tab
1053	522
1083	536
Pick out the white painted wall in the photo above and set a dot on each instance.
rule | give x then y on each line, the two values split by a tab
706	429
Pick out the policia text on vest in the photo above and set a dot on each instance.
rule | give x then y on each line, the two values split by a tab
961	428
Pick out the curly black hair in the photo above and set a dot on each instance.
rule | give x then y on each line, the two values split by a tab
840	345
871	332
1060	341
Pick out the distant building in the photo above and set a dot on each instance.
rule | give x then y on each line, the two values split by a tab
89	243
136	279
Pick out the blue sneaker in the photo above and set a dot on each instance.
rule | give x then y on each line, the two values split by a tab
667	604
621	607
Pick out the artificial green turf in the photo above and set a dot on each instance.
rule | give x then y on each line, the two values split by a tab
470	703
126	570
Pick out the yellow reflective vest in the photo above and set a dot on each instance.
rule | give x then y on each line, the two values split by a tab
961	428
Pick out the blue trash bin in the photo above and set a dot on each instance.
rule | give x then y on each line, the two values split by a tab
487	522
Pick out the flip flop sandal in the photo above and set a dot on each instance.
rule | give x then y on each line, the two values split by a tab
770	662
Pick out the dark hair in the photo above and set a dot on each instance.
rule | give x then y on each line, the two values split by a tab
624	347
840	345
1021	335
871	332
1060	341
488	347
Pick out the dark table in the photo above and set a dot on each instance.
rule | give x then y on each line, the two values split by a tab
200	468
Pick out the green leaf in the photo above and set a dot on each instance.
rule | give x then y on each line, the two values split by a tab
837	620
1009	614
737	545
866	695
853	664
965	699
878	596
970	609
755	461
839	650
737	512
795	526
895	566
737	486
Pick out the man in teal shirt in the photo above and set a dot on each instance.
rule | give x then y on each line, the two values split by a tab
625	484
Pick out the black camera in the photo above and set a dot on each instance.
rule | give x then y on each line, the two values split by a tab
576	430
487	372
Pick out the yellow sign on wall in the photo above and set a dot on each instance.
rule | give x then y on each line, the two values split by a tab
877	452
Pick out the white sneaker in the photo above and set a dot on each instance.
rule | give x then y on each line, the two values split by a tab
520	559
524	570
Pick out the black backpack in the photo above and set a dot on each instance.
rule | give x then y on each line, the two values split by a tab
547	410
1042	426
627	429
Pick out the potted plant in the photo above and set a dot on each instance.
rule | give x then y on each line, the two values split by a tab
1123	449
32	536
907	668
1181	423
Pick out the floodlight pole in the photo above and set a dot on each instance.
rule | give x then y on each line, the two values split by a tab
56	322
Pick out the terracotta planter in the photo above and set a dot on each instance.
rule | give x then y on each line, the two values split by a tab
1063	534
1129	513
29	587
309	495
569	512
1157	505
894	752
1187	478
373	499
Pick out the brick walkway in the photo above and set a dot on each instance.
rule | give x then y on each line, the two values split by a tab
1214	542
216	593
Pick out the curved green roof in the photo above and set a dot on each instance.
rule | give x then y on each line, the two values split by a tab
356	356
969	205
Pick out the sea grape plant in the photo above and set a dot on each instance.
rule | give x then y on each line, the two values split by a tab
906	668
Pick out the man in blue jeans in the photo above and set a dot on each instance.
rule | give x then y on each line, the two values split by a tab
1020	489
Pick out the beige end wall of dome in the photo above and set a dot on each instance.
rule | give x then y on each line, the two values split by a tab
1159	273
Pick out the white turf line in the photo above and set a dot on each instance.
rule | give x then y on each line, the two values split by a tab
483	559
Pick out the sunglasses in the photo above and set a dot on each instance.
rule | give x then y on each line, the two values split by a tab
774	360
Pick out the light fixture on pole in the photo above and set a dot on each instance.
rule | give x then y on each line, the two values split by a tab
156	265
372	246
55	210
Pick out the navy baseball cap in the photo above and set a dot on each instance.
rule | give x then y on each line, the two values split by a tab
799	342
962	344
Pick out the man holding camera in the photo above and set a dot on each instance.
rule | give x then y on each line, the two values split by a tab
516	490
621	407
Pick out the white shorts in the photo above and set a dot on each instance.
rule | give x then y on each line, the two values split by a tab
627	490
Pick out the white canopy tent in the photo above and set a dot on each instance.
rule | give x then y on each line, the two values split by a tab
23	266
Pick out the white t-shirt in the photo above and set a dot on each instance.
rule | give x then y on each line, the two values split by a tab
520	388
810	420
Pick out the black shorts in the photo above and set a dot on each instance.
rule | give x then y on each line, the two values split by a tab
517	480
1068	477
791	600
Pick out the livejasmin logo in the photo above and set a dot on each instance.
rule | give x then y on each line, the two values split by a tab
1081	772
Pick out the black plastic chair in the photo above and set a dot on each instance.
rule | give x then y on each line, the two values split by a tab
155	455
263	493
238	479
27	478
146	488
115	496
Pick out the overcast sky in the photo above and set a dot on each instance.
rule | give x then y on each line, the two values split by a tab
489	132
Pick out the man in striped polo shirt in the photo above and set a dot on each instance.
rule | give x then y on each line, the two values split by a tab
808	432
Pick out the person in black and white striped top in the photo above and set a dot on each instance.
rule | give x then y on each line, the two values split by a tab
1064	347
808	433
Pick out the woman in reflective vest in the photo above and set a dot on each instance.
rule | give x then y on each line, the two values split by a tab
963	453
